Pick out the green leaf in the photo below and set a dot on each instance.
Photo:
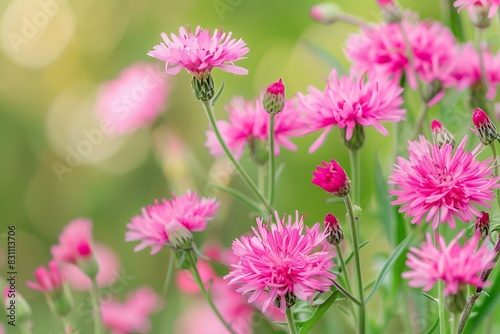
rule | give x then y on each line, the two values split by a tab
388	264
217	95
326	56
433	327
320	310
435	300
455	21
351	254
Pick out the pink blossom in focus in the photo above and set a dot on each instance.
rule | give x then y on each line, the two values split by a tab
75	242
351	100
131	316
439	185
453	264
280	260
248	120
332	178
492	4
134	99
47	280
200	52
109	270
189	210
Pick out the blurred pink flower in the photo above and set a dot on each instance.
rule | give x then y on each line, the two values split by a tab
279	261
442	185
200	52
75	242
109	270
189	210
47	280
186	282
248	121
453	264
492	4
131	316
134	99
352	100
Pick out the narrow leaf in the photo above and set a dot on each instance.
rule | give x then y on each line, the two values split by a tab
320	310
217	95
351	254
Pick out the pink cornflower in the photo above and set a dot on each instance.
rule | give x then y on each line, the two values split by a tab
382	49
352	100
47	280
280	260
133	99
441	185
492	4
453	264
150	228
249	121
200	52
131	316
75	242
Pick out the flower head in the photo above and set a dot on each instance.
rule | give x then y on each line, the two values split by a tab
152	226
491	4
453	264
279	259
441	185
352	100
248	122
134	99
200	52
75	242
47	280
332	178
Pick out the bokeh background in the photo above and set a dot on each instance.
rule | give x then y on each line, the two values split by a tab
48	88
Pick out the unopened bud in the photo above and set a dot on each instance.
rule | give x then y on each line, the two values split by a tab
441	135
332	178
274	98
326	13
483	224
456	303
258	151
391	12
479	16
486	130
333	230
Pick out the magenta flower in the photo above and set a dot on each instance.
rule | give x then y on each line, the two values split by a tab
440	185
150	228
200	52
492	4
280	260
134	99
348	101
47	280
249	121
453	264
332	178
132	316
75	242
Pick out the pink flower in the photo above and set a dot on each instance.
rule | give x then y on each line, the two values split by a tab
200	52
47	280
75	242
492	4
134	99
132	315
384	3
280	260
382	49
109	270
441	186
453	264
188	210
348	101
332	178
249	121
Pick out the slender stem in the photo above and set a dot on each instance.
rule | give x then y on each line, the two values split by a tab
420	121
466	313
170	269
351	19
355	246
290	321
261	184
453	323
343	266
272	168
238	195
96	307
479	49
495	170
346	293
355	171
244	175
441	310
196	275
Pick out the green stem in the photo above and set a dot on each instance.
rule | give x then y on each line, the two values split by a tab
453	323
168	277
196	275
479	49
96	307
420	121
495	170
441	310
355	171
343	266
244	175
272	168
290	321
359	276
346	293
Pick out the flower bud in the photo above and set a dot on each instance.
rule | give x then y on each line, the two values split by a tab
357	140
391	12
274	98
440	135
332	178
258	151
203	86
326	13
486	130
456	303
333	230
483	224
479	16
